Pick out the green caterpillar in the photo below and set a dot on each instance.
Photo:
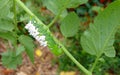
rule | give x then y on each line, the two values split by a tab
44	30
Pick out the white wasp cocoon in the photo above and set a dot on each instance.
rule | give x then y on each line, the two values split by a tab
34	32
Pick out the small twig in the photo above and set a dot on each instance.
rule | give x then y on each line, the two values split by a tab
61	10
15	15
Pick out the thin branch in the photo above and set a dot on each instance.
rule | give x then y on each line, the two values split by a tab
59	13
95	63
15	15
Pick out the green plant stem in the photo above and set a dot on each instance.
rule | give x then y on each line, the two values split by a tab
15	15
95	63
64	49
15	21
53	21
57	16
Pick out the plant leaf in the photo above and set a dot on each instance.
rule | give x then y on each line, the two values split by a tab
76	3
9	36
27	42
19	50
55	6
99	38
10	60
6	24
5	7
70	25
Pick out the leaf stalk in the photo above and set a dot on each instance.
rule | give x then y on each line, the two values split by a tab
59	13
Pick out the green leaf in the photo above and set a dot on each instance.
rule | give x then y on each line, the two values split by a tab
5	7
6	24
3	3
76	3
99	38
9	36
55	6
27	42
19	50
10	60
70	25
